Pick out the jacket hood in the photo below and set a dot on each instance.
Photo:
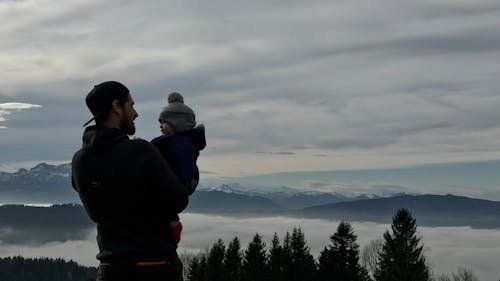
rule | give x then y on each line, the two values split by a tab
101	138
197	134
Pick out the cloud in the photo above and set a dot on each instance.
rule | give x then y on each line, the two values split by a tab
17	106
357	187
81	251
444	245
415	82
276	153
9	107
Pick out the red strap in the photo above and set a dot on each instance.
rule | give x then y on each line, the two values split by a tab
145	263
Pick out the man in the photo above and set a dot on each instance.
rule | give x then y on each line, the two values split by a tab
128	190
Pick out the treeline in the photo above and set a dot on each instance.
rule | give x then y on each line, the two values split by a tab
397	257
44	269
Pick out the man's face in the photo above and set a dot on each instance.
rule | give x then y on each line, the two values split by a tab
128	117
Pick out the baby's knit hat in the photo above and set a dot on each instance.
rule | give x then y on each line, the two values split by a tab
179	115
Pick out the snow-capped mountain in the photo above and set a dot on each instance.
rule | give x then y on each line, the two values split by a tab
251	190
286	197
43	183
40	173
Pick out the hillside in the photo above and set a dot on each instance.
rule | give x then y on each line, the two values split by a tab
218	202
29	224
430	210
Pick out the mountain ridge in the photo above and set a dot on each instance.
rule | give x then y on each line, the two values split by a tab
46	183
430	209
43	183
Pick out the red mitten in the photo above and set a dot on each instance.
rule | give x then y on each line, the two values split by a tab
176	229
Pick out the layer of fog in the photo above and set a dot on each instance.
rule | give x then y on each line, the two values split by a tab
446	248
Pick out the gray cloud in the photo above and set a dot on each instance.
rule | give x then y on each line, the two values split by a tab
331	76
9	107
359	187
276	153
354	143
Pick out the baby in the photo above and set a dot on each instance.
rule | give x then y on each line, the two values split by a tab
180	145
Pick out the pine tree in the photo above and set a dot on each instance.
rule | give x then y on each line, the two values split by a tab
203	271
255	260
197	268
340	262
232	262
194	270
276	260
215	261
325	264
287	258
303	265
401	257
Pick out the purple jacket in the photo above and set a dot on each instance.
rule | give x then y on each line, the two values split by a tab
181	151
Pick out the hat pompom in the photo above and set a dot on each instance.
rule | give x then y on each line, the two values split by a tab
175	97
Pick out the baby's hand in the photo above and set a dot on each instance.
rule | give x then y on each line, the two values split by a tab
136	138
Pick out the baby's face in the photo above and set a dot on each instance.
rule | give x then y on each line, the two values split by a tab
166	128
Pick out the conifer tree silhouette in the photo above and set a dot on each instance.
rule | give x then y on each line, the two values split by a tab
232	261
255	260
303	264
340	261
276	260
401	257
215	261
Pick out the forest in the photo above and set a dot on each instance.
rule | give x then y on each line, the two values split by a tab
44	269
398	256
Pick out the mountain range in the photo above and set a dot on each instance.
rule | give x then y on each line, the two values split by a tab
287	197
429	209
51	184
31	224
43	183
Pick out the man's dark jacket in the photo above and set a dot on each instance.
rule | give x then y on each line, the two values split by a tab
128	190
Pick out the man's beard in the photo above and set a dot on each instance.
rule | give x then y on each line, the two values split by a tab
128	128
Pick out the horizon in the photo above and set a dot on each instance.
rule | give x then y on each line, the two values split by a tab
471	179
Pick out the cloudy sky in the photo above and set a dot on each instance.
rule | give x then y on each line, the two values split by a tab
280	86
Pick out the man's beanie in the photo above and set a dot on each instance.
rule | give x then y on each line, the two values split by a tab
179	115
99	100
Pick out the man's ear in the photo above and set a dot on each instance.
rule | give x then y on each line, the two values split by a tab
116	107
